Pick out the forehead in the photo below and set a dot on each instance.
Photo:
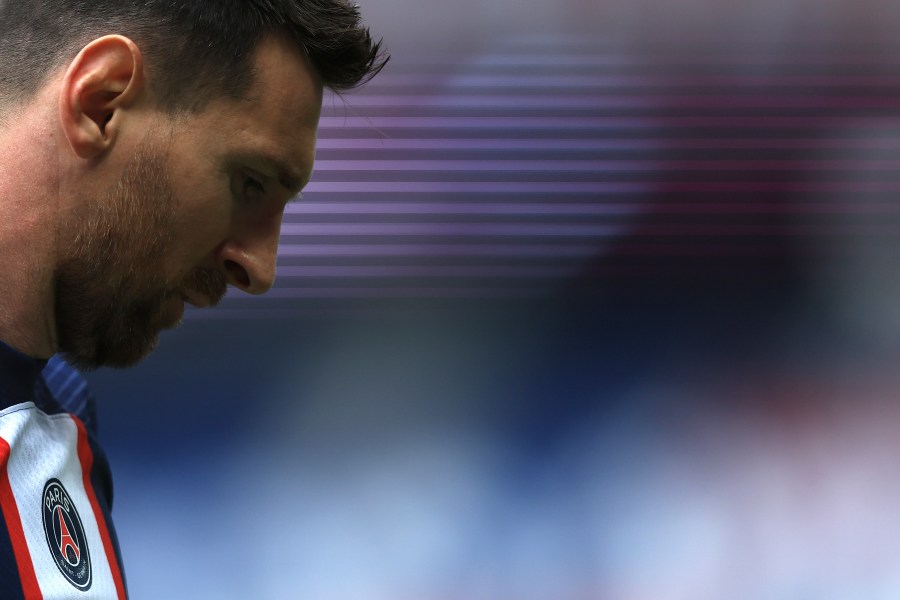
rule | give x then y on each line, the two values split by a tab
275	123
285	83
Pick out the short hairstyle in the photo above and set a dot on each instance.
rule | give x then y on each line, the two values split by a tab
194	50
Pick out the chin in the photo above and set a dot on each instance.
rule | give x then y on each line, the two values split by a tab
118	354
126	359
117	339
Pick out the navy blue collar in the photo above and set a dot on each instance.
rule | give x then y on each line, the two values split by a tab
18	374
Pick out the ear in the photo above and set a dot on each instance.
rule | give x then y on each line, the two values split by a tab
106	77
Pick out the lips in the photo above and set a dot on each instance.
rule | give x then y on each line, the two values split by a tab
203	288
195	299
200	300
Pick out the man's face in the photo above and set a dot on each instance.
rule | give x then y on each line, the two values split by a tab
113	296
197	206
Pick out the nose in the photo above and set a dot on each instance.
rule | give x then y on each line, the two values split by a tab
248	256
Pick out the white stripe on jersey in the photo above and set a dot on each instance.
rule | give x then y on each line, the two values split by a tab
44	447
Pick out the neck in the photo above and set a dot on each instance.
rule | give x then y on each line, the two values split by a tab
28	212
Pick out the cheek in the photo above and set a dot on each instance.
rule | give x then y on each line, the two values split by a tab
203	204
200	227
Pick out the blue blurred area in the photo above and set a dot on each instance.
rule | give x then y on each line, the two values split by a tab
462	454
588	300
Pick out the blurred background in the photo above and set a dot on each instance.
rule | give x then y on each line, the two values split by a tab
587	300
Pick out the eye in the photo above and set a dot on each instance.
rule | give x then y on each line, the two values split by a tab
253	188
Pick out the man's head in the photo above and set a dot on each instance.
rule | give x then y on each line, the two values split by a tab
184	126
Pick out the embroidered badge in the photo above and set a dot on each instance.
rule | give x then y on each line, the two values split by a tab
65	535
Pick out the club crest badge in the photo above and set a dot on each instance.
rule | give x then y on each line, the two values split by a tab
65	535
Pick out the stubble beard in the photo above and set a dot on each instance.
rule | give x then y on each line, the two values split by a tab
111	287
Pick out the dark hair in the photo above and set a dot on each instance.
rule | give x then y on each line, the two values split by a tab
194	50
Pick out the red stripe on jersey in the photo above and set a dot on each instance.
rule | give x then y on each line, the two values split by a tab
87	460
30	588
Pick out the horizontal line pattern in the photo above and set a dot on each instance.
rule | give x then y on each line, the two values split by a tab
578	168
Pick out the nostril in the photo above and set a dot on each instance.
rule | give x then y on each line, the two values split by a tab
237	275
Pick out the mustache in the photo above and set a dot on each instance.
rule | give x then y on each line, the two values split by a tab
211	283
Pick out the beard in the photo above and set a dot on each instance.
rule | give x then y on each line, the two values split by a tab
112	296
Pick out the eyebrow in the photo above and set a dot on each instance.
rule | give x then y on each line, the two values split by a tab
289	179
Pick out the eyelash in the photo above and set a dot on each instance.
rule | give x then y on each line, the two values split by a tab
252	187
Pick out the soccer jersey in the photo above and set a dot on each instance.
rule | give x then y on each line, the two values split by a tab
56	536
